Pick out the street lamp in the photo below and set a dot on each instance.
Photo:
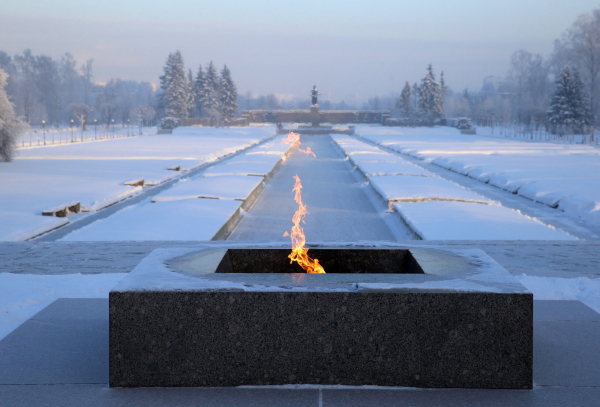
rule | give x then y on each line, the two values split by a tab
44	128
127	127
72	139
113	122
95	127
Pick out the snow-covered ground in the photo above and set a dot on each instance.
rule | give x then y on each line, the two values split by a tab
193	209
559	175
436	208
184	219
95	174
468	221
24	295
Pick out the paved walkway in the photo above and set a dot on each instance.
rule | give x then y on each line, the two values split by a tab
335	195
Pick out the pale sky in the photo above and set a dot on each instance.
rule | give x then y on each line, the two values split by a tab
350	49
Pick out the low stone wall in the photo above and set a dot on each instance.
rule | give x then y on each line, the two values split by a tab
327	116
212	121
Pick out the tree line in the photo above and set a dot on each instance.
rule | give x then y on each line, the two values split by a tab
208	94
62	91
560	92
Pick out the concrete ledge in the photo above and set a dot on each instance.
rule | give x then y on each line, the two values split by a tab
465	323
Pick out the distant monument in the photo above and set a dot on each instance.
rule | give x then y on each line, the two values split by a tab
314	109
313	95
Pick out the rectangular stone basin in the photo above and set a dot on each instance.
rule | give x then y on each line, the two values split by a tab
225	315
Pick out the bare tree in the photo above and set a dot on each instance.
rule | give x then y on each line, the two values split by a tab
145	114
108	111
585	42
81	112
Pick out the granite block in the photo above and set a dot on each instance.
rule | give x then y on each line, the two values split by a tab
463	322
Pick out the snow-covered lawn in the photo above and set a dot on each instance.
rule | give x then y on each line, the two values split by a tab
436	208
444	220
373	169
398	188
193	209
559	175
218	187
185	219
94	174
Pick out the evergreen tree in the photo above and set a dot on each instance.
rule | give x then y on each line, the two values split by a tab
10	126
404	100
443	87
568	110
191	92
175	99
228	94
430	100
211	97
415	96
200	92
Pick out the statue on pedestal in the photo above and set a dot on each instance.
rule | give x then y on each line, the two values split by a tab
313	95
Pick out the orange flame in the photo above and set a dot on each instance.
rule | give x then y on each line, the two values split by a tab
299	252
293	139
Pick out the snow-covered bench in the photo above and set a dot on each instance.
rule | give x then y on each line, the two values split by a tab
61	211
135	183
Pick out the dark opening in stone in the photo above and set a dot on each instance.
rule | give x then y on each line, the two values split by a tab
334	261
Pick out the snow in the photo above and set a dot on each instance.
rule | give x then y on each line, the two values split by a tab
372	169
94	173
443	220
366	157
186	219
239	168
24	295
220	187
560	175
584	289
394	188
23	226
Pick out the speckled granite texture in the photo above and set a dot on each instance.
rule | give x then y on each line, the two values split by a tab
417	330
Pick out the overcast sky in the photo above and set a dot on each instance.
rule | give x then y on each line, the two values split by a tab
350	49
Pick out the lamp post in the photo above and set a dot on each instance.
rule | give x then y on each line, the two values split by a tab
44	129
72	138
95	127
113	123
127	127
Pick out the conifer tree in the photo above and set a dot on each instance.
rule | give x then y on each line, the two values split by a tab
211	97
191	92
200	92
430	100
175	99
443	87
404	101
568	110
228	94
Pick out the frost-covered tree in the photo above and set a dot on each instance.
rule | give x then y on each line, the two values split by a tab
10	126
200	92
568	110
175	99
430	98
228	95
404	101
80	111
191	93
145	114
211	97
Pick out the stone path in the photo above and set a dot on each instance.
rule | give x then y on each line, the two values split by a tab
334	193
